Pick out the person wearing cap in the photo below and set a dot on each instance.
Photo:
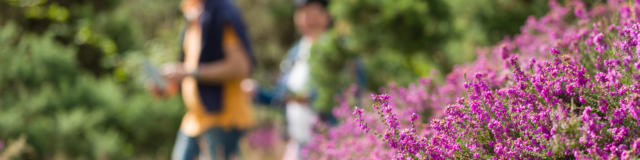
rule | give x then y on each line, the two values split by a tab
294	90
216	58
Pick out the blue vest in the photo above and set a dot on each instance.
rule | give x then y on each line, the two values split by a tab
217	14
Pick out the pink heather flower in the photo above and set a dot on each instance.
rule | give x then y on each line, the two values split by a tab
357	113
414	117
579	12
523	111
626	155
262	137
554	51
625	12
504	52
635	146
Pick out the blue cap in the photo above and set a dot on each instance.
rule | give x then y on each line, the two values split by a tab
300	3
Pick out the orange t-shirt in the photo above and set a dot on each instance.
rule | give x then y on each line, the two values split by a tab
236	110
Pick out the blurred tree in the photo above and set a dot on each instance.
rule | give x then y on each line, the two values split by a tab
69	77
402	40
270	23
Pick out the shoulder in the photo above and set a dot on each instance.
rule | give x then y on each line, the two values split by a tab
293	47
228	9
229	16
290	56
293	51
225	10
230	36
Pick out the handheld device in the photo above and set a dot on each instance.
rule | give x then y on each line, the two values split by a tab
153	74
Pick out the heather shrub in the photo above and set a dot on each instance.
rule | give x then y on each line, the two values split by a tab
566	87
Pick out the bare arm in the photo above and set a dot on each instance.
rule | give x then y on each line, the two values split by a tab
234	66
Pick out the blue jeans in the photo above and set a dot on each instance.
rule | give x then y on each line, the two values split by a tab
215	141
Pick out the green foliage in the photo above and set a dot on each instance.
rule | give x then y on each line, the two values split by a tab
70	78
271	29
70	75
66	112
402	40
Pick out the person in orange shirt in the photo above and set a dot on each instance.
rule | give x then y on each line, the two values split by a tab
216	59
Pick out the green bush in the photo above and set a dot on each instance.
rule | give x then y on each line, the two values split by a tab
67	112
70	80
402	40
70	75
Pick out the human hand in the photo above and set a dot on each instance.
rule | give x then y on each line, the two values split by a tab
248	85
161	93
174	72
156	91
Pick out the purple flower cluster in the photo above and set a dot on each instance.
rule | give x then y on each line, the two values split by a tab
262	138
350	138
567	87
397	120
